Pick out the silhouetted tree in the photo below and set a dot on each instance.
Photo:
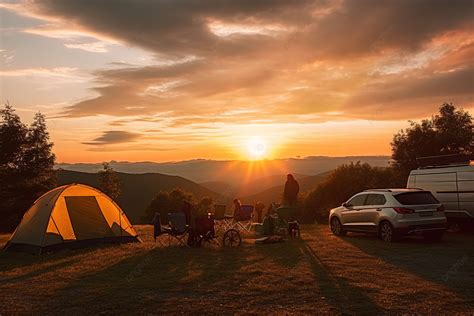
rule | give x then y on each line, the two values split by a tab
449	132
109	181
13	134
38	158
167	202
342	183
26	165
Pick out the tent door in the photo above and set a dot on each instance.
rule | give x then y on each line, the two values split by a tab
87	219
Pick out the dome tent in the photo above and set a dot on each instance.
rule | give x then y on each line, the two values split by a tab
71	216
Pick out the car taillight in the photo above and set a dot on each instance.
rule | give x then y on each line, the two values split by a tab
440	209
403	210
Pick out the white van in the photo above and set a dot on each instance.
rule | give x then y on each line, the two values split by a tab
453	186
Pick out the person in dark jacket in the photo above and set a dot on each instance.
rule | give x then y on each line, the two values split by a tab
292	188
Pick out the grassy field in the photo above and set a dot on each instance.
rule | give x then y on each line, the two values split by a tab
321	273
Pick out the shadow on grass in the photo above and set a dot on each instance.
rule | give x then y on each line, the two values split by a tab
287	254
449	262
170	277
344	297
155	277
15	260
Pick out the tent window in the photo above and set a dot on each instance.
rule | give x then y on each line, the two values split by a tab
86	217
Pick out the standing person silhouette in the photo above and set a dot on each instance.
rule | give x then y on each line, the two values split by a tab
292	188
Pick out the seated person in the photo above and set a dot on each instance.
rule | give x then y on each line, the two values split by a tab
237	210
259	210
271	210
188	210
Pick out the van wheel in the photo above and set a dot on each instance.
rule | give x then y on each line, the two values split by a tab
336	227
387	233
434	237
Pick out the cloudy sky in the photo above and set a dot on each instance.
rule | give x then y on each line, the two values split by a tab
174	80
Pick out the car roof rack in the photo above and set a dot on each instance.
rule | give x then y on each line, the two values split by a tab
444	161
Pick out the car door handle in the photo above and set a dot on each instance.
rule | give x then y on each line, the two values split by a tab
378	209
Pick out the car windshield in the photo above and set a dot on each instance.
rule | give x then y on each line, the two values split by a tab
416	198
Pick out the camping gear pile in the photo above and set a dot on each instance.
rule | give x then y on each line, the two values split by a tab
282	223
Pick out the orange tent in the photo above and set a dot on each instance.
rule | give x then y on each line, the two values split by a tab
71	216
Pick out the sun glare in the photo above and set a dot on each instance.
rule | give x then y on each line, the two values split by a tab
256	147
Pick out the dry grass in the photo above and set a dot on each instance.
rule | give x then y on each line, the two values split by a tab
319	274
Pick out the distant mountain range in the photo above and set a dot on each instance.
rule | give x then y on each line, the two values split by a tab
250	187
236	173
274	194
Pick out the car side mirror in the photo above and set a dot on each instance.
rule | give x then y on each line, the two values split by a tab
346	205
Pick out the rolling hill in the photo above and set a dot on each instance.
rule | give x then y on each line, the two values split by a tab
247	187
139	189
274	194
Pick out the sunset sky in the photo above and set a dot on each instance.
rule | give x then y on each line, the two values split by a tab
177	80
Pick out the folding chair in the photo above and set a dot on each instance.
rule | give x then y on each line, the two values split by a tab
223	221
177	229
245	220
158	230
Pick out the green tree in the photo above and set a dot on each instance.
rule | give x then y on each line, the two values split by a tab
13	135
341	184
109	181
167	202
38	158
26	165
449	132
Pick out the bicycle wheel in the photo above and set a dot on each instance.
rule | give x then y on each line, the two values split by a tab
232	238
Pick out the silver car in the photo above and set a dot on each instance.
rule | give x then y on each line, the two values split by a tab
391	213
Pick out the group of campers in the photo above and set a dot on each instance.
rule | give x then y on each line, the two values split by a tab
194	219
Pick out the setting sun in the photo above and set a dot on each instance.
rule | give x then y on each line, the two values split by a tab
256	147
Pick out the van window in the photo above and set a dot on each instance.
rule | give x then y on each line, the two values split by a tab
435	177
375	199
358	200
416	198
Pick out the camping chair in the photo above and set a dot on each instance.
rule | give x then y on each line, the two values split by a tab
286	224
205	231
177	229
245	220
223	221
158	230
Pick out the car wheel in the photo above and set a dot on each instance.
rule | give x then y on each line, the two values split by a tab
336	227
387	233
433	236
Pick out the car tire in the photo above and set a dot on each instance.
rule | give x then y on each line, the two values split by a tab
387	232
336	227
433	237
